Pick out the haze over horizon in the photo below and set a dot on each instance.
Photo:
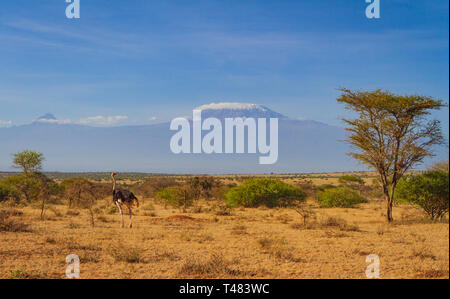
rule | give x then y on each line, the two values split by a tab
305	146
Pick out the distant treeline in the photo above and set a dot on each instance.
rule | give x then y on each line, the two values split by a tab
97	176
133	176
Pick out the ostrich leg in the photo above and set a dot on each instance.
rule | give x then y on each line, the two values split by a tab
121	214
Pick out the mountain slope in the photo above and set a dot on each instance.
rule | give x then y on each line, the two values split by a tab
146	149
304	146
231	110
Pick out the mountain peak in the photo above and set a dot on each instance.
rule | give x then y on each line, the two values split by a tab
47	116
236	109
229	105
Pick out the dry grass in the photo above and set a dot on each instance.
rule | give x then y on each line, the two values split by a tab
10	224
278	248
340	223
239	230
213	242
122	253
214	266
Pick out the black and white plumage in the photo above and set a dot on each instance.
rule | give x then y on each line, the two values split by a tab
124	197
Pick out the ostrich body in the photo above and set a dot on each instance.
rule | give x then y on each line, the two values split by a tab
124	198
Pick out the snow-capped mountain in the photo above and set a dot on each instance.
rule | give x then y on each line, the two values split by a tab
48	117
304	146
231	110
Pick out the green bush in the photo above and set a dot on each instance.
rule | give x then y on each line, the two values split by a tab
177	196
23	186
351	181
153	185
325	187
4	193
430	191
256	192
339	197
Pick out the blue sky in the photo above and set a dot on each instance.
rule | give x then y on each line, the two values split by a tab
153	60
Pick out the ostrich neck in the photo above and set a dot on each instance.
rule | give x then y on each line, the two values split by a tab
114	184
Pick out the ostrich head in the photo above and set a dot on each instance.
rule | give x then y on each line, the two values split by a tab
113	174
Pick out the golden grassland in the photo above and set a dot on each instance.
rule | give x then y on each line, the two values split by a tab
210	242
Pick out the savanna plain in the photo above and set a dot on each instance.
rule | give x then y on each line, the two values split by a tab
208	239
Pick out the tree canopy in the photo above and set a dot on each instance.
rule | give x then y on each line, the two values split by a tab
391	133
28	161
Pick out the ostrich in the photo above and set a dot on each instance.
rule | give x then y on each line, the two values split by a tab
124	197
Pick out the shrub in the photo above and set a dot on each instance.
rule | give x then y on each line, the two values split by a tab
214	265
6	193
221	210
206	187
218	192
26	186
429	191
69	186
305	211
175	196
150	187
32	187
308	188
325	187
8	224
3	193
268	192
339	197
82	194
121	253
351	180
339	223
278	248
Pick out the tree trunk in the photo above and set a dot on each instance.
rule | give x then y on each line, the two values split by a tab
391	199
389	210
389	202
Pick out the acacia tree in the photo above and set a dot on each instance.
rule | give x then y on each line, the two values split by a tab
81	193
31	184
28	161
391	133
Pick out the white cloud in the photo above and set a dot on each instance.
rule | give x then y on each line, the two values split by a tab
152	118
5	123
54	121
102	120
